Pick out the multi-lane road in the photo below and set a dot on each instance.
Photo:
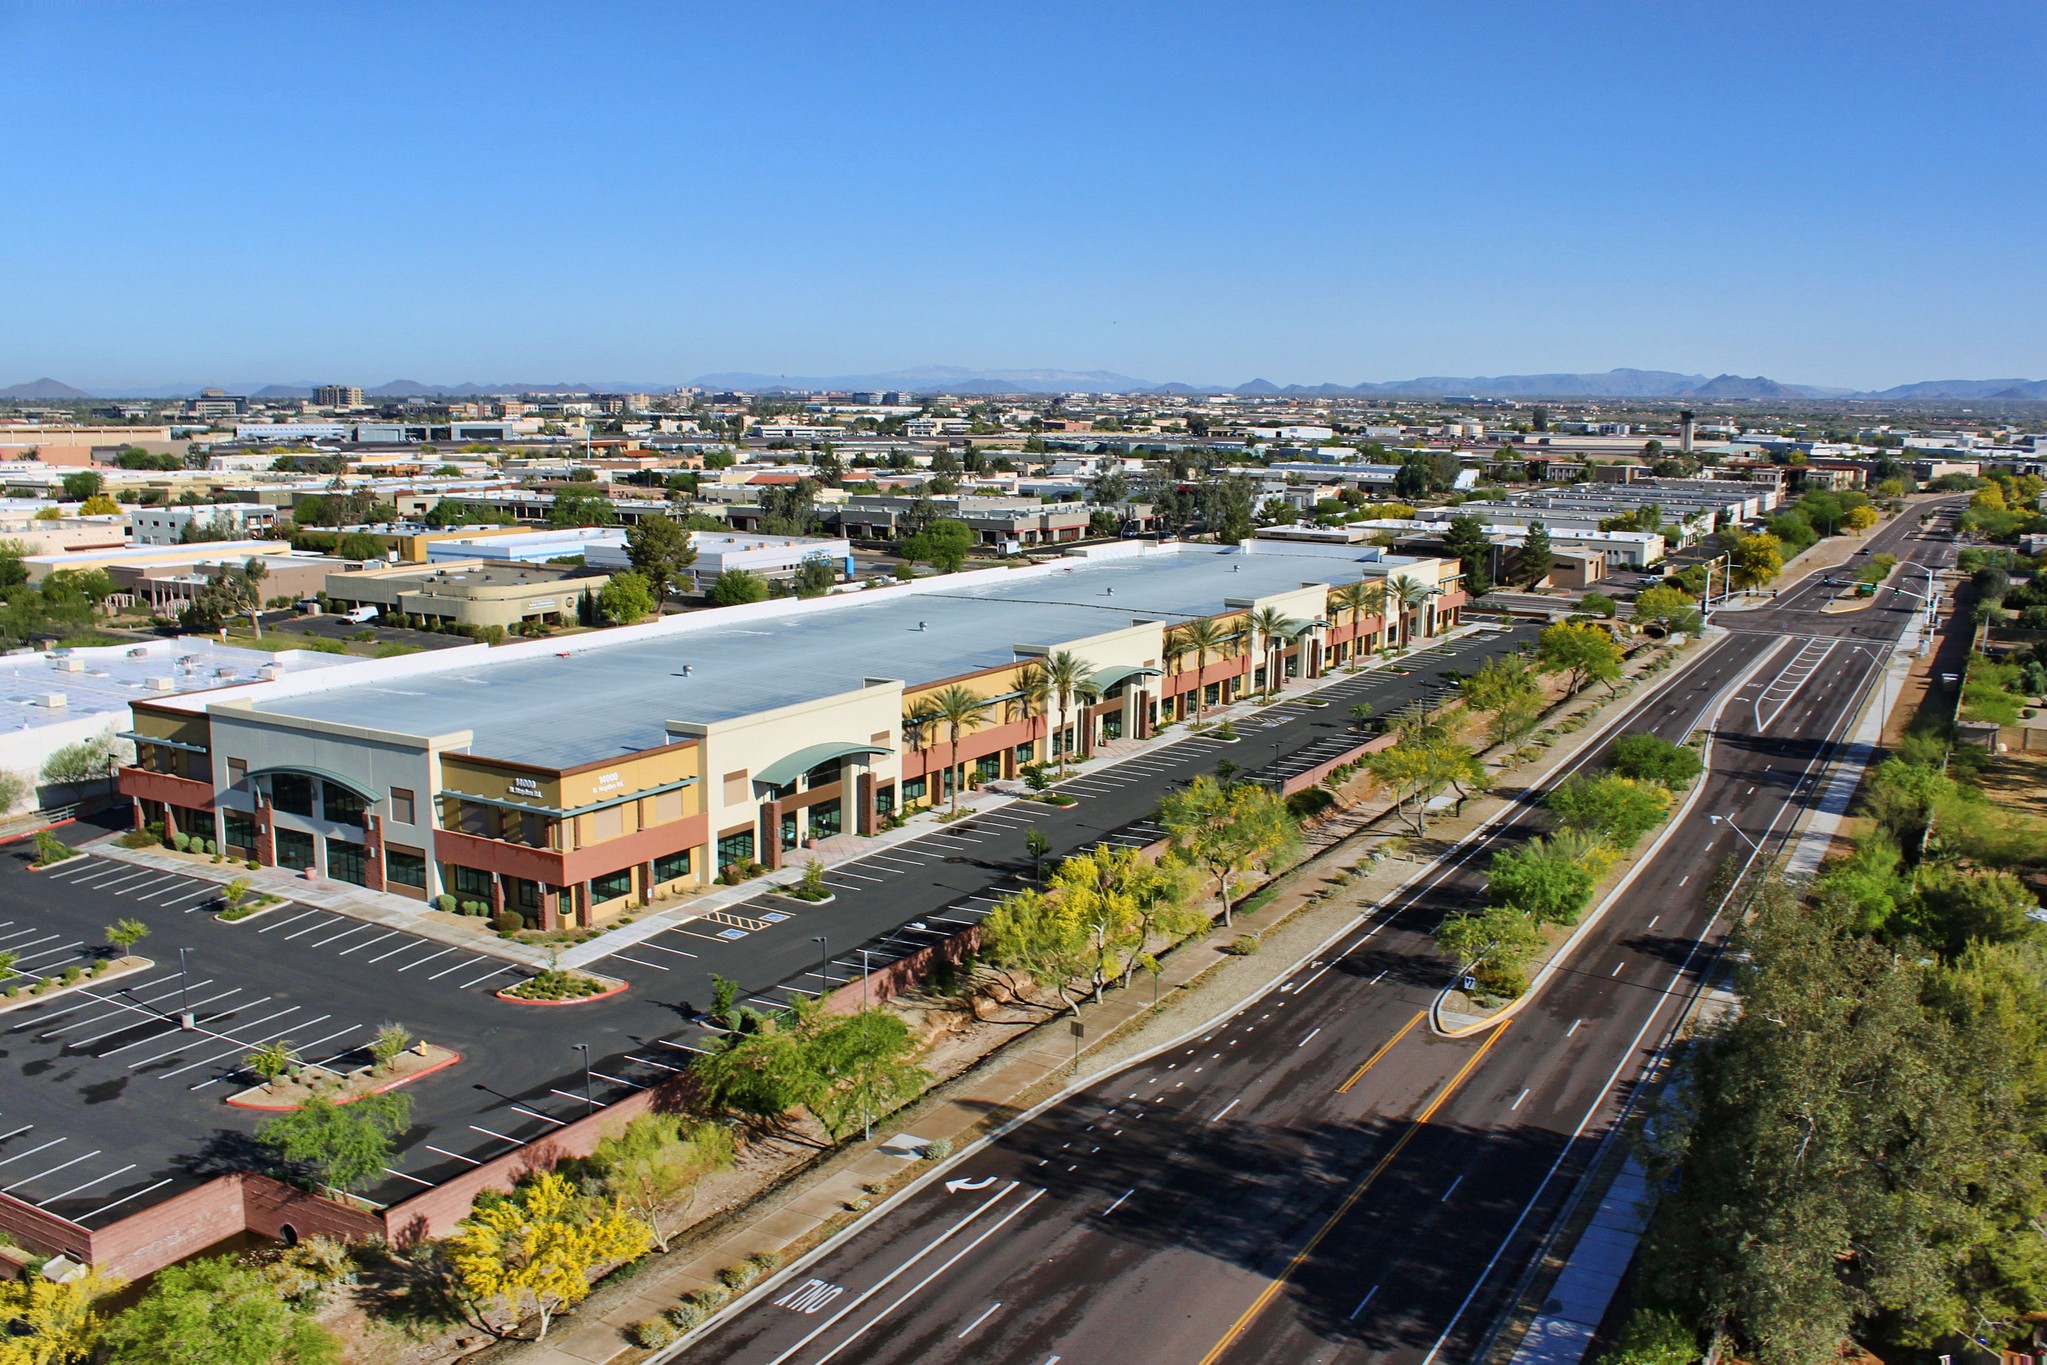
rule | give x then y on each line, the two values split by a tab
1322	1177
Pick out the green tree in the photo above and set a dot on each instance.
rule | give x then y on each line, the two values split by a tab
391	1040
625	598
579	504
359	545
1550	880
737	587
943	544
47	1323
1612	807
1227	830
214	1312
658	1159
1588	653
124	934
866	1064
1536	553
1756	560
1507	692
86	483
342	1146
1671	608
1419	766
1465	538
1492	946
1651	758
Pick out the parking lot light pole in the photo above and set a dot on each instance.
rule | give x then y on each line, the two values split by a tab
589	1101
823	961
863	978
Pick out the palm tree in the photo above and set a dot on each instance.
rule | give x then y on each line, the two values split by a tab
1272	626
1374	603
957	708
1065	674
916	721
1351	598
1202	637
1411	593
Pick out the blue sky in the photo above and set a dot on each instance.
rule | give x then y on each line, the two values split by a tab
1826	193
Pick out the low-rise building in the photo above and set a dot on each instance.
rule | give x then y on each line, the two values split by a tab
166	525
470	593
719	552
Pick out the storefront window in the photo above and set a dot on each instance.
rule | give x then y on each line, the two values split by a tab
826	819
612	885
735	848
671	866
240	831
341	805
294	849
345	862
405	869
467	883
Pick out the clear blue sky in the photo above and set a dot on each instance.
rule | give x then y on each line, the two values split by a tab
1826	193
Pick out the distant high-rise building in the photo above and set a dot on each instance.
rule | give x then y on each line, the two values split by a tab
214	403
338	396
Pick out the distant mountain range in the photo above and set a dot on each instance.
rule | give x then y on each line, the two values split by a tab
1623	383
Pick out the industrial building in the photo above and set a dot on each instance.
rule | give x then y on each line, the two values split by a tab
573	780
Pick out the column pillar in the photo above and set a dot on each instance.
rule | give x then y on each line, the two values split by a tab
266	834
583	903
771	836
497	894
550	907
863	802
170	823
647	882
373	851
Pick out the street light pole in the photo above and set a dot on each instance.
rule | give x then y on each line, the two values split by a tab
863	978
185	1020
589	1102
1728	821
823	961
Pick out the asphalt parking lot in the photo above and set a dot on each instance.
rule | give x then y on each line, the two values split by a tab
111	1103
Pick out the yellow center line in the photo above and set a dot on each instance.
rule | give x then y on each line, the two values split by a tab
1350	1201
1384	1048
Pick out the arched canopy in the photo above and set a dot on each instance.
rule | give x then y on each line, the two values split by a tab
783	771
369	794
1115	676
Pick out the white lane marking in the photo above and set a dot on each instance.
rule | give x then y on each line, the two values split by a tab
1226	1109
33	1150
465	985
53	1170
1303	1043
926	1250
413	1178
1452	1190
1362	1302
428	958
369	943
635	960
1573	1028
1617	969
978	1321
535	1113
1517	1100
1119	1201
456	968
499	1136
281	923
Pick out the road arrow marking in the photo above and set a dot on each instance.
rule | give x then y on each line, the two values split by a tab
959	1186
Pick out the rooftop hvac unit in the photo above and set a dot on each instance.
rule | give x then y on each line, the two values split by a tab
68	665
270	672
55	701
139	652
160	684
223	671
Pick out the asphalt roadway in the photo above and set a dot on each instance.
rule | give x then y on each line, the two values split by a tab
110	1106
1321	1177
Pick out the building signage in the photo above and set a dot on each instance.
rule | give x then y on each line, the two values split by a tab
541	604
526	786
610	782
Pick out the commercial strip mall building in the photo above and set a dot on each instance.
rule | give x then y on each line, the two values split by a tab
570	780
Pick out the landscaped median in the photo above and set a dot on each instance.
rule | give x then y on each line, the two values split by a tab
559	986
19	996
290	1092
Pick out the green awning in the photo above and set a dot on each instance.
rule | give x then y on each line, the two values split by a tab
783	771
1110	679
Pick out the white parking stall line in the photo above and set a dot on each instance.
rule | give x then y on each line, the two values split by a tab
413	1178
17	1132
124	1199
516	1142
992	900
658	1066
681	1047
328	923
179	889
404	947
238	1046
93	873
154	1017
116	883
856	876
45	1203
87	865
640	961
949	920
465	985
15	948
350	933
677	951
18	933
546	1118
569	1095
423	961
456	968
282	923
366	943
47	952
457	1156
630	1085
33	1150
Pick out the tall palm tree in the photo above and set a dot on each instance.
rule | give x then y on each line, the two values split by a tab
1027	687
1374	604
1351	598
1272	627
1203	636
1065	674
1411	594
958	708
917	723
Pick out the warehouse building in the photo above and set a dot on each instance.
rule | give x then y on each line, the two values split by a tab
574	780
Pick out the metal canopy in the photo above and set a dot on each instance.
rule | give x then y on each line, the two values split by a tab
1109	679
783	771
